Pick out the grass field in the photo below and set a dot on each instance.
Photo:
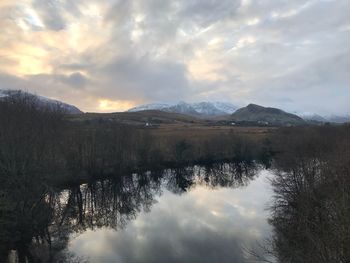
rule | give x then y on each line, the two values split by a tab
200	131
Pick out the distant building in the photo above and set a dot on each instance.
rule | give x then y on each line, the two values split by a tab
263	122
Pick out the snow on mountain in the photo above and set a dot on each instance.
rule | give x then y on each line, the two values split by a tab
308	116
226	107
338	118
183	108
70	109
3	94
151	106
207	108
195	109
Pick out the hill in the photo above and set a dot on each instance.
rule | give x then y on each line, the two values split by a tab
266	116
39	100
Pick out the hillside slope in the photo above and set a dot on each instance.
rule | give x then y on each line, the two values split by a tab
39	100
149	117
265	116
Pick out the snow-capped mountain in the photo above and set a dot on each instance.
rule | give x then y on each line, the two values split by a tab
195	109
3	93
67	108
214	108
151	106
308	116
338	118
226	107
183	108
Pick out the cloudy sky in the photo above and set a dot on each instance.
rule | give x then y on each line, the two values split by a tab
109	55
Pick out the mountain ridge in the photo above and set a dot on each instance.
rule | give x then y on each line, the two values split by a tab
214	110
41	100
204	108
314	117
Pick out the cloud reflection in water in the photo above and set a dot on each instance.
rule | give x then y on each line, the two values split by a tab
203	224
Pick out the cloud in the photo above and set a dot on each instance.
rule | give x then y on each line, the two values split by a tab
206	12
75	80
131	77
50	13
142	51
325	80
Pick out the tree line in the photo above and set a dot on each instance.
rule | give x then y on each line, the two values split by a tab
310	213
40	143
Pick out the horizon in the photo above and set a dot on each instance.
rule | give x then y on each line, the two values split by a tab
173	103
108	56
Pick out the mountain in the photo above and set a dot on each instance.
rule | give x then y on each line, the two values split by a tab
210	109
40	100
200	109
265	116
226	107
182	108
312	117
151	106
327	118
338	119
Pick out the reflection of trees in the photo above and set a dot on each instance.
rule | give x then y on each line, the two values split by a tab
311	209
112	203
179	180
40	224
311	215
30	140
24	220
215	175
109	203
232	175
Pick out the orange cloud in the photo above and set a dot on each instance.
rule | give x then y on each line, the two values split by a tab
106	105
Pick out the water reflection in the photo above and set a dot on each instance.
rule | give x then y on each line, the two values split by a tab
310	212
191	214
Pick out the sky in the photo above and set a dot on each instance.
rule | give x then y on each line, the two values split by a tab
110	55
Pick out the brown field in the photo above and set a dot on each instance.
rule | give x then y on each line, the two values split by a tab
198	131
137	118
172	126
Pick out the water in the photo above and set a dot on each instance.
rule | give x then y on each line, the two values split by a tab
194	214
